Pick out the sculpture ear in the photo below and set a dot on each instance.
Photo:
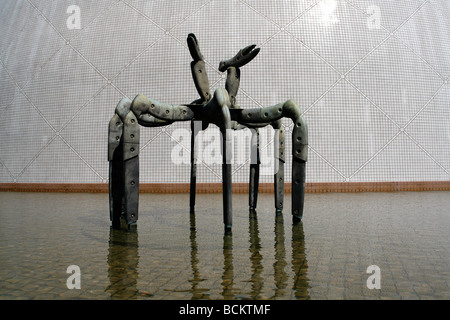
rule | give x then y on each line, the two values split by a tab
194	49
198	69
243	57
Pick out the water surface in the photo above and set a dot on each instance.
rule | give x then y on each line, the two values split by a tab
175	255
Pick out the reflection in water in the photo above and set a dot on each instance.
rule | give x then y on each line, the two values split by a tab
228	268
197	293
279	272
299	263
255	256
123	261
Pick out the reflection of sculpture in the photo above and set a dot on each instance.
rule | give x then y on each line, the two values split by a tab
228	291
299	263
196	280
279	273
220	109
123	261
257	279
259	287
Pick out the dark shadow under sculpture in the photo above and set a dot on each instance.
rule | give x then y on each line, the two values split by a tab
219	109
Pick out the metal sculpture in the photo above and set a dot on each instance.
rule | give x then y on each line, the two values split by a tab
219	109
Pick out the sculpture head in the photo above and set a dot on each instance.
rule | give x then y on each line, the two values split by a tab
243	57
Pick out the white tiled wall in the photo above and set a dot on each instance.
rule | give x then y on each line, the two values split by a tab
371	78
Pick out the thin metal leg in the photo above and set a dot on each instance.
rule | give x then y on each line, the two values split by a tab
227	185
195	129
254	171
225	129
279	187
279	169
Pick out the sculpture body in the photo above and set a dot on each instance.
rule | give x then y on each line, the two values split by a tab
219	109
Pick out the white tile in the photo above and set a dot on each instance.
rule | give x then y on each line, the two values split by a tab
57	163
64	86
396	80
113	40
24	134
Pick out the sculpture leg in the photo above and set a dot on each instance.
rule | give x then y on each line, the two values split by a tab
298	189
254	171
299	150
274	113
279	187
131	192
131	168
198	69
116	173
116	190
226	181
279	167
225	129
195	129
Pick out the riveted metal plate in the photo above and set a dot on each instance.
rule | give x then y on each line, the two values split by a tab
123	107
262	115
147	120
279	185
279	143
167	112
200	78
131	183
300	139
298	188
115	131
130	137
182	113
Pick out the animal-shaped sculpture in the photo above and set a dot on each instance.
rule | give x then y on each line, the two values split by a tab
219	109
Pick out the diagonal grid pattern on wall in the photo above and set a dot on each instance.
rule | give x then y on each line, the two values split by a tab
368	95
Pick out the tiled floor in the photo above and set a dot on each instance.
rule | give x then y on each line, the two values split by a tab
174	255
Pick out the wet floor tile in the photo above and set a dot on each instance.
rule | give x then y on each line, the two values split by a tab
175	255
